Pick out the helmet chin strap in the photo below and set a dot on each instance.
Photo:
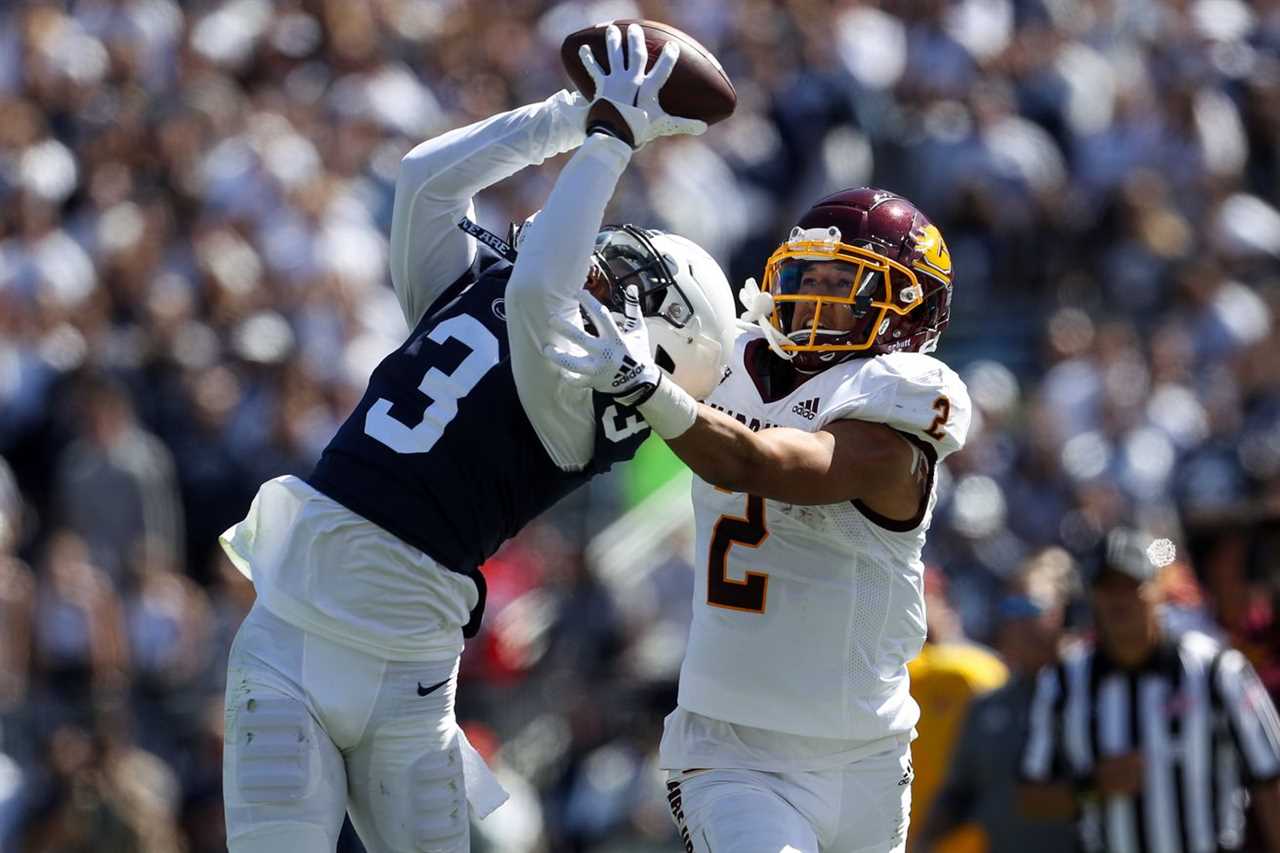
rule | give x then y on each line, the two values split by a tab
759	305
801	336
821	356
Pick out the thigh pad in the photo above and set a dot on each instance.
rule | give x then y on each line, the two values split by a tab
412	804
276	747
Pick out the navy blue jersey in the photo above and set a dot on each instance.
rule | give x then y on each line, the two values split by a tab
440	451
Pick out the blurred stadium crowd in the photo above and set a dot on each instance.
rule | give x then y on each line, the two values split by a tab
194	203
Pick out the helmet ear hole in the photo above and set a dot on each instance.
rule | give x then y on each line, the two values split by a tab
664	360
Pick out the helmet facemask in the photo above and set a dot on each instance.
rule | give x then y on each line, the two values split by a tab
851	301
625	255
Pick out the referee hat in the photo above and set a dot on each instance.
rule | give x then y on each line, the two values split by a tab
1132	553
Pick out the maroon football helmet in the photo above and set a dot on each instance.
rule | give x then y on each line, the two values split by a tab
863	273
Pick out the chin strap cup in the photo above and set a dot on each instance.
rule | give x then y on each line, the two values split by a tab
759	305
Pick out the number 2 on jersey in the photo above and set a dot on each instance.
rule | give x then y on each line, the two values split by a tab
444	389
747	595
937	429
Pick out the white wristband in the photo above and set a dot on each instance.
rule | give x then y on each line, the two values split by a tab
670	411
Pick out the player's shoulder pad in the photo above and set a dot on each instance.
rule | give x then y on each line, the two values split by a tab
911	392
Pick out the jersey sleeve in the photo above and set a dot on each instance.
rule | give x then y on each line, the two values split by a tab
911	392
1251	715
439	178
549	273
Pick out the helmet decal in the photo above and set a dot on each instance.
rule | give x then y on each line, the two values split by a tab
933	251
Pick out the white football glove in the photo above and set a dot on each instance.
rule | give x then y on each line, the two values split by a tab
615	361
632	92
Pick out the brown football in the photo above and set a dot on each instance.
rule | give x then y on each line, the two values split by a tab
698	87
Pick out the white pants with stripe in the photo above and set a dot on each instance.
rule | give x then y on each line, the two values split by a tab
316	729
862	807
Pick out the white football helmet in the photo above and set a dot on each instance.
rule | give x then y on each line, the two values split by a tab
684	297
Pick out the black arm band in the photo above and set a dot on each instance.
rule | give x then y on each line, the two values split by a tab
608	130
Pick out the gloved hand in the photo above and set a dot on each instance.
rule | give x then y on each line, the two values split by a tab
615	361
627	96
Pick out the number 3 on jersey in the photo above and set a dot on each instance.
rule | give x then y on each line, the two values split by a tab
749	594
444	389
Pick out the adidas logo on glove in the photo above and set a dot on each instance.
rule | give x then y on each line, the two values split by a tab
628	371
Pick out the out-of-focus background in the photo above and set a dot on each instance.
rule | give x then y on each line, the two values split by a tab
194	205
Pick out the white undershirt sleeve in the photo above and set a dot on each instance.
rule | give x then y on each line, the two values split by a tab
439	177
550	272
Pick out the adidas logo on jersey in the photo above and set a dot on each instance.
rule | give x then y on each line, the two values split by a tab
807	409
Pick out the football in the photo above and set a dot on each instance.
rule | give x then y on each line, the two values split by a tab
698	88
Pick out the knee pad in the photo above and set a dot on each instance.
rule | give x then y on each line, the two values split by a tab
439	796
275	839
276	748
415	806
727	810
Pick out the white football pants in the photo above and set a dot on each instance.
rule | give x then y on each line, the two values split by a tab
861	808
315	729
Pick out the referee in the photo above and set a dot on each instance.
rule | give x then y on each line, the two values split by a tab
1155	742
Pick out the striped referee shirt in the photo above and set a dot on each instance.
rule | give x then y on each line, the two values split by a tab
1203	722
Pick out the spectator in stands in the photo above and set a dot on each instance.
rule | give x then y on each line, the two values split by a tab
142	786
17	599
945	678
980	786
203	825
169	624
80	640
73	809
115	483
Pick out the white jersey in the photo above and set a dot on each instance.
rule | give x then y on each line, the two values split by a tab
804	617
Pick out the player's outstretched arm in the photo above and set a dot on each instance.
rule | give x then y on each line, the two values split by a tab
439	177
555	254
555	251
845	460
